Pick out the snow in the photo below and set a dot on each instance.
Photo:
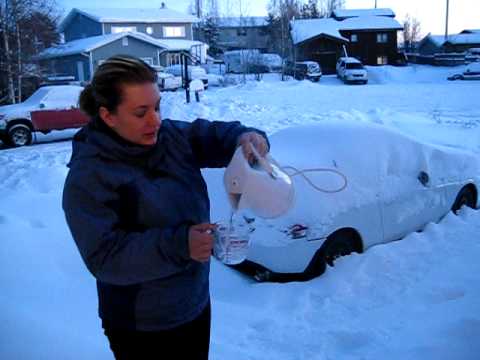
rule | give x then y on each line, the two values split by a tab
416	298
348	13
308	28
91	43
136	15
465	39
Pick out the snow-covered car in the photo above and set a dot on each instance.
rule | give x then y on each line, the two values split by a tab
471	72
304	70
395	185
351	70
168	82
49	108
194	72
273	62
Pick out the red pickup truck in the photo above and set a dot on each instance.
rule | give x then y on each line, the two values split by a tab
49	108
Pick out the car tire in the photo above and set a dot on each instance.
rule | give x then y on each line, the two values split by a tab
19	135
467	196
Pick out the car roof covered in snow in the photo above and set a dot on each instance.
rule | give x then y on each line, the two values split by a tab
350	60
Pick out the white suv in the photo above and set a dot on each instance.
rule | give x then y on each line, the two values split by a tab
351	70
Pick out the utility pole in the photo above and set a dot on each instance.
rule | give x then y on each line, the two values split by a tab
446	22
375	4
198	8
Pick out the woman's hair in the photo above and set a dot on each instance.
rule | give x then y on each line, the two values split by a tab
106	86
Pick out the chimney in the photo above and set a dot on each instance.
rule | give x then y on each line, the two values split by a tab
163	6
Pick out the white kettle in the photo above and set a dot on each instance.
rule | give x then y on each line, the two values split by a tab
264	188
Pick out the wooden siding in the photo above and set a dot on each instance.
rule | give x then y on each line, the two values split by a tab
157	29
67	65
367	49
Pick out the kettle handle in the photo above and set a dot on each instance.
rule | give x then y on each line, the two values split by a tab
263	162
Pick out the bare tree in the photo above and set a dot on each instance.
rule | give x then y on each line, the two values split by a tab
27	26
411	32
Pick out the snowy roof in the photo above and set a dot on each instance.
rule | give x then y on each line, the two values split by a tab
249	21
438	40
91	43
344	13
133	15
308	28
469	31
467	39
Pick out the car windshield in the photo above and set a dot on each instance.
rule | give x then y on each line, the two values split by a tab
37	96
313	68
354	66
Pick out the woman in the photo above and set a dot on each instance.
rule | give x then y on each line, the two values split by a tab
138	209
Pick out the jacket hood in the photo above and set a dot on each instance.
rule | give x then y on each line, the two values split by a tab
97	139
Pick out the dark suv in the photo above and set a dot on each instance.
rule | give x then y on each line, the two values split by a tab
302	70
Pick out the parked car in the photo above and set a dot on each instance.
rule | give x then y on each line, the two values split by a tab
304	70
272	62
351	70
194	72
49	108
471	72
395	188
168	82
239	61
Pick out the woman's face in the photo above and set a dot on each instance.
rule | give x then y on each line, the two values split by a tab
137	118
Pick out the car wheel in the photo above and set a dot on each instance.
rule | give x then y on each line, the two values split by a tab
341	243
467	196
19	135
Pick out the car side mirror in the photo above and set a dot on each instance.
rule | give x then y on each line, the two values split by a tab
41	106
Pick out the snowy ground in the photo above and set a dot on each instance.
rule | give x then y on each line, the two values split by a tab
417	298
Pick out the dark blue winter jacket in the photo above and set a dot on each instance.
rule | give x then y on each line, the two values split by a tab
129	208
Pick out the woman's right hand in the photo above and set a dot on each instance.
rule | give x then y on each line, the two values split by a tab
200	241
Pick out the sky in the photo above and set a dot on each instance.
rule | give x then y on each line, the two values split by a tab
431	13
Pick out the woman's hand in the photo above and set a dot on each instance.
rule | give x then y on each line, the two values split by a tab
200	241
246	140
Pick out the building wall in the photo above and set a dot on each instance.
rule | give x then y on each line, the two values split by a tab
67	65
428	47
81	27
229	38
157	29
135	47
459	48
322	50
367	49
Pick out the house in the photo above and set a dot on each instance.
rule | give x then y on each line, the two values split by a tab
370	35
159	23
235	33
459	43
156	35
80	58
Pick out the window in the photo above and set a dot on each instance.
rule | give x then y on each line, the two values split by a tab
149	30
174	31
382	60
241	32
382	38
125	41
354	38
119	29
147	60
173	59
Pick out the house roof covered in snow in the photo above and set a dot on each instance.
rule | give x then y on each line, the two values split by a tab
133	15
305	29
470	31
248	21
464	39
91	43
345	14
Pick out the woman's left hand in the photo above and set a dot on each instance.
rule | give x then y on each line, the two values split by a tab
255	139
